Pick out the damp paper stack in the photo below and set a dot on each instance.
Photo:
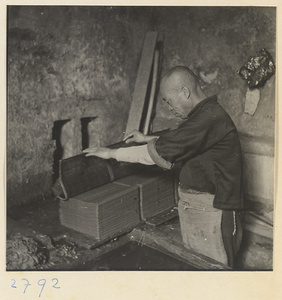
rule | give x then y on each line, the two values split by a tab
156	190
103	212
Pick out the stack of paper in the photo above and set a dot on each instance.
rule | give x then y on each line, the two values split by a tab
156	190
103	212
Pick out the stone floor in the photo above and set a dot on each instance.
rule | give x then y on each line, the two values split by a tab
42	219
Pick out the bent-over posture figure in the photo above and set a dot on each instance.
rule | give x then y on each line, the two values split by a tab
207	146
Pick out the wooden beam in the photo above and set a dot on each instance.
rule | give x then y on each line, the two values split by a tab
152	94
167	239
142	81
257	226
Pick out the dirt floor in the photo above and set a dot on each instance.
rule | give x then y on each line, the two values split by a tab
145	248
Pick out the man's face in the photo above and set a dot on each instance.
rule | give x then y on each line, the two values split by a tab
178	104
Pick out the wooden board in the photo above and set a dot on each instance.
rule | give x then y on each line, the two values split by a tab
103	212
123	169
258	226
168	239
141	83
156	189
79	174
163	217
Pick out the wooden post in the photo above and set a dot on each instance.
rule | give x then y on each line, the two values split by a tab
152	94
141	84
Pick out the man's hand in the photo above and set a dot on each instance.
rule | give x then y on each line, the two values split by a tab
137	137
101	152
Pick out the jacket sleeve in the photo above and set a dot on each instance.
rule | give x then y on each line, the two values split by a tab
194	136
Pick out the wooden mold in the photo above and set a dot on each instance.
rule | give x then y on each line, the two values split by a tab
79	174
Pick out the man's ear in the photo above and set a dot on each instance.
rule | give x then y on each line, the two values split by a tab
186	92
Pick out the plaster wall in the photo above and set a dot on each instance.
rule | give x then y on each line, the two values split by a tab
65	63
68	63
215	42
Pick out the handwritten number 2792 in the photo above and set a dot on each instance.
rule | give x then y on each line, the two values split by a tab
41	282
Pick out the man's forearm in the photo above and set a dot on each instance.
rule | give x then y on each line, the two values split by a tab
112	153
135	154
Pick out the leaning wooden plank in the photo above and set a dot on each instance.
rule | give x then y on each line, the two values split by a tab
152	93
141	83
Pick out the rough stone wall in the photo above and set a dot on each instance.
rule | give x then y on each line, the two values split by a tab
66	63
215	42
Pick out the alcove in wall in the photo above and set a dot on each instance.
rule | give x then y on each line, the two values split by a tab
85	138
60	136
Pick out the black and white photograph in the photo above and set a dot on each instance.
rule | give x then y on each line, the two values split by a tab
139	138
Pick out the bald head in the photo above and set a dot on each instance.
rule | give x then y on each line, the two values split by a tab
181	76
181	90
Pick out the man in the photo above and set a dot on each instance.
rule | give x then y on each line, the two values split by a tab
207	145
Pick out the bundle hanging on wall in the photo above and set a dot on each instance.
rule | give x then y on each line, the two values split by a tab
258	69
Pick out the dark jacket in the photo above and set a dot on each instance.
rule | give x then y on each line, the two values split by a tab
208	147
